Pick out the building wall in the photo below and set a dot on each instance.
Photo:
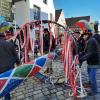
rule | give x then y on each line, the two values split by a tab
45	9
25	10
5	9
21	12
61	19
99	28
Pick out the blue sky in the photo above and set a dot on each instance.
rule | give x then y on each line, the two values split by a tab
75	8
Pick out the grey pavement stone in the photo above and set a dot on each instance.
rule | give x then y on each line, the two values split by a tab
60	97
20	97
43	98
28	98
30	90
19	93
59	89
14	99
46	92
38	96
53	97
38	88
53	91
70	98
20	90
37	92
59	93
28	94
44	89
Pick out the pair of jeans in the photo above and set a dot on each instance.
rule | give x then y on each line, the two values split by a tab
7	97
92	78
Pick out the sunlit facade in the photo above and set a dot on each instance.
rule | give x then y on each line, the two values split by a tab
5	9
27	10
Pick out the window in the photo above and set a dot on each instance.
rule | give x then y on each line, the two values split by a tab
45	1
50	16
36	13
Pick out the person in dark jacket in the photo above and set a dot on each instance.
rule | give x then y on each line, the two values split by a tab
46	47
97	37
79	43
8	57
46	41
92	59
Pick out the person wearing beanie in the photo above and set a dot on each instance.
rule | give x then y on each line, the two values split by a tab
8	57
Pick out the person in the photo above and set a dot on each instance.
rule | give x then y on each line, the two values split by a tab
79	43
46	41
97	37
8	36
8	57
46	47
92	59
36	47
75	35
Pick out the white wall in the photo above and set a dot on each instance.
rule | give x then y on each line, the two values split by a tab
61	19
46	9
25	11
21	12
99	28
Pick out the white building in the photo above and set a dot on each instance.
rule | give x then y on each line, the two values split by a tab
59	17
99	28
27	10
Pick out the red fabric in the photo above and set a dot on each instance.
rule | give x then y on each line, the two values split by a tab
69	66
67	56
34	71
81	25
2	83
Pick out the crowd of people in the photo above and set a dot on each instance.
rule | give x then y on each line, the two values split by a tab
88	48
88	44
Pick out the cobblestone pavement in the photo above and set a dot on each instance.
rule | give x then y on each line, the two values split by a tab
33	89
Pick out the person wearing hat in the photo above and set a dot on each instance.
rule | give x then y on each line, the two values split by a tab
8	57
91	56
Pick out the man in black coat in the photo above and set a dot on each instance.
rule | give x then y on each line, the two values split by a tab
8	57
46	41
91	56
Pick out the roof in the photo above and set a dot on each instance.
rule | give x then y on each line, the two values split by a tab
57	14
71	21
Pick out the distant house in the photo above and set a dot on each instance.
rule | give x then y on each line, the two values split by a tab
60	19
71	21
27	10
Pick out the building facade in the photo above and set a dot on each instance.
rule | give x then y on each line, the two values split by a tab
60	19
5	9
27	10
